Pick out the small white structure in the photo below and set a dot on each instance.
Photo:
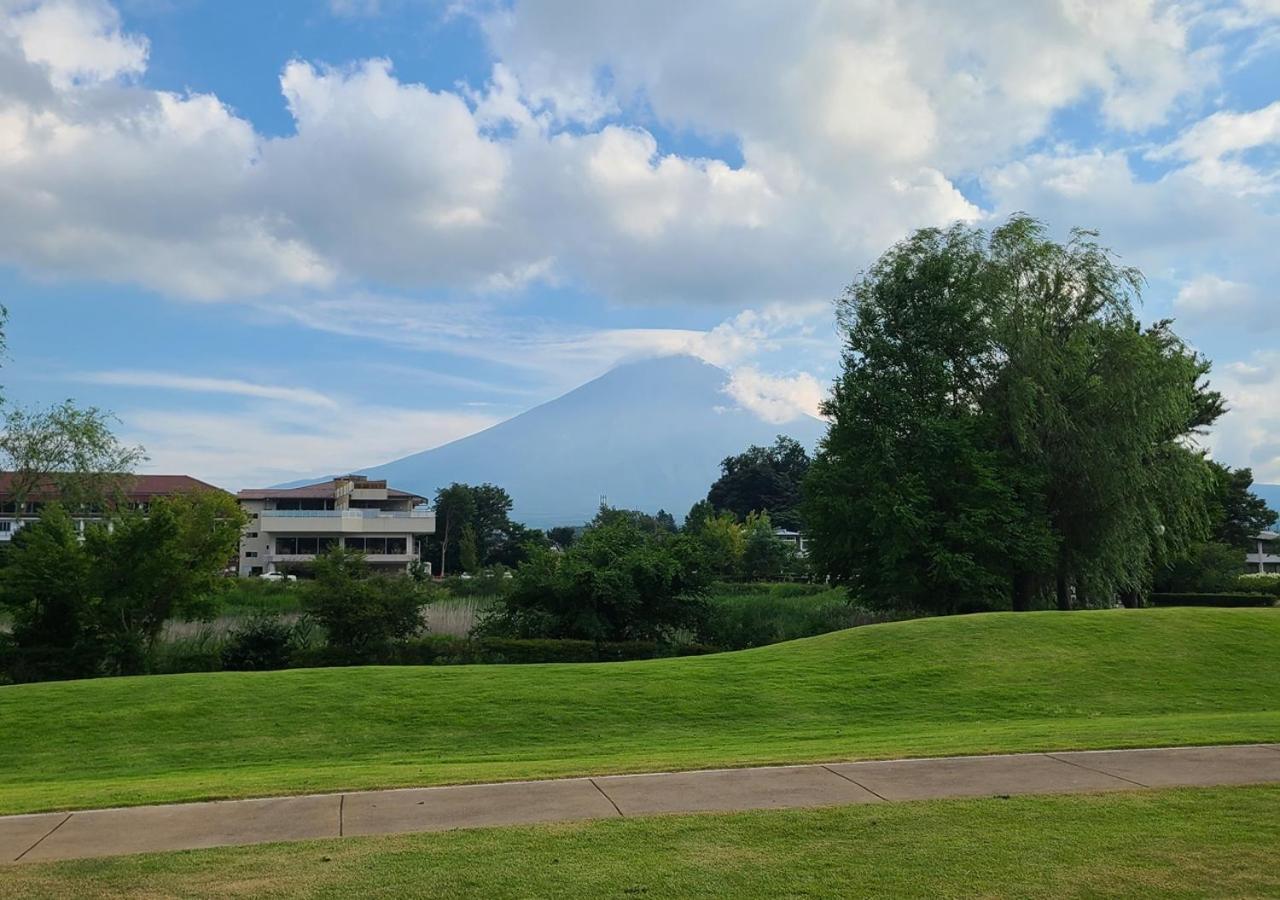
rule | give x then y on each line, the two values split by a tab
795	539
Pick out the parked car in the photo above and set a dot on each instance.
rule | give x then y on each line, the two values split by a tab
277	576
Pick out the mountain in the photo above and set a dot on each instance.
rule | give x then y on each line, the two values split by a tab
647	435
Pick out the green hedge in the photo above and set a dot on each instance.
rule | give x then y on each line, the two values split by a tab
1212	600
442	650
1259	584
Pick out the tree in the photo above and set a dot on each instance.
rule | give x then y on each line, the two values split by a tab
619	581
764	556
468	554
1003	425
71	449
45	588
149	566
362	612
455	508
907	501
763	479
562	536
697	515
1238	513
723	544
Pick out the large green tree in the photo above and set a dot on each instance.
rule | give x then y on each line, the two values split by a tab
1004	428
151	565
763	479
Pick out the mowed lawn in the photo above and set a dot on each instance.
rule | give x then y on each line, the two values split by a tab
960	685
1186	843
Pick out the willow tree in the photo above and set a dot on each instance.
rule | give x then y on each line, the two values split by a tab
1004	426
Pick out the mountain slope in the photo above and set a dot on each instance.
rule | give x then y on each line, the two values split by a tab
647	435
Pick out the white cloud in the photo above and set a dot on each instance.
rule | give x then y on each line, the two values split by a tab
169	381
1249	434
775	398
256	448
1208	296
78	40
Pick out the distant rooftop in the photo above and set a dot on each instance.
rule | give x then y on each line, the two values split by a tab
136	487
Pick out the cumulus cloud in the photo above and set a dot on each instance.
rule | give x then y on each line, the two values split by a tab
1209	296
1249	434
775	398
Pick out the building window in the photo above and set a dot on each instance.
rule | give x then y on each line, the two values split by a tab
251	554
6	526
251	534
256	570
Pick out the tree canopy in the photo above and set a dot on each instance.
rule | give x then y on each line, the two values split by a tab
763	480
1004	429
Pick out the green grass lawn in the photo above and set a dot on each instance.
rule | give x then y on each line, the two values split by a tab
973	684
1185	843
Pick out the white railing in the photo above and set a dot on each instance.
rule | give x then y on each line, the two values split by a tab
349	513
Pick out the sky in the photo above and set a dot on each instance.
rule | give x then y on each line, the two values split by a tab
292	238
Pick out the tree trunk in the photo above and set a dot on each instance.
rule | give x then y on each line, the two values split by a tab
444	546
1064	592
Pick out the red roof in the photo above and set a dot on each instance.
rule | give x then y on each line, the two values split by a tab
136	487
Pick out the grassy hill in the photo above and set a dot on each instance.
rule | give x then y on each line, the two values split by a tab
974	684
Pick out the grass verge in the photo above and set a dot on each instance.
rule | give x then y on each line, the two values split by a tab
1216	842
959	685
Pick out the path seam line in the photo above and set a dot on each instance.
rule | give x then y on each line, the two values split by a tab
856	783
1099	771
18	858
342	804
607	797
1276	747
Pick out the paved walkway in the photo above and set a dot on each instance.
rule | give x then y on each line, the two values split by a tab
109	832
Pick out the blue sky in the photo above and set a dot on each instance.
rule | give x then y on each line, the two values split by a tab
288	238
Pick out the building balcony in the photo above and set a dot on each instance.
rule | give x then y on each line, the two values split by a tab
400	559
347	521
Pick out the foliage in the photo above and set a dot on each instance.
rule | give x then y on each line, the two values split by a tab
1208	566
1004	427
764	556
1239	515
618	582
740	617
763	479
45	588
1212	599
68	448
475	521
262	643
360	611
723	543
562	536
661	522
698	515
150	567
1259	583
468	552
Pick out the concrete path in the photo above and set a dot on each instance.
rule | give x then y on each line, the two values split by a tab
141	829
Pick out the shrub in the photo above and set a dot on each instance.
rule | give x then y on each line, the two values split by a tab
1224	600
618	582
260	644
359	611
1259	583
757	618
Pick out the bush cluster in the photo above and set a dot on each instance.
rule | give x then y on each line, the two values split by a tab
1220	600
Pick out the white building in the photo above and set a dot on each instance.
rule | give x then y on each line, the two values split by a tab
292	526
1266	558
